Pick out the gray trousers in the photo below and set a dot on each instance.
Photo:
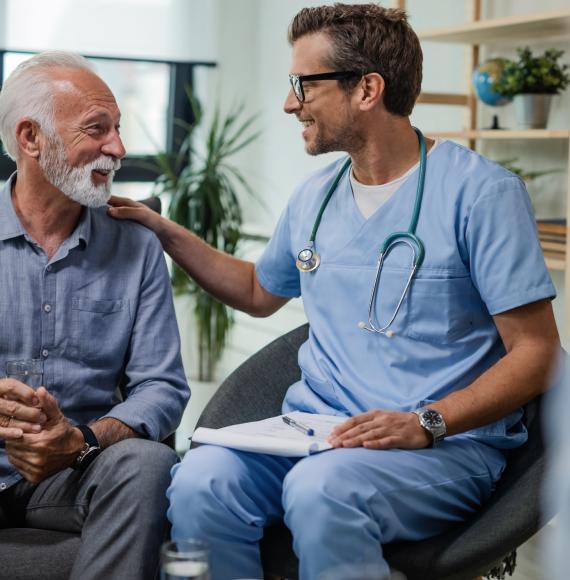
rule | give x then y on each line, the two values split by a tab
118	505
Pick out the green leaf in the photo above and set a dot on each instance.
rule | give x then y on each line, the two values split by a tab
204	198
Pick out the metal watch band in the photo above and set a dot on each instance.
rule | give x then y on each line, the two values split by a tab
439	431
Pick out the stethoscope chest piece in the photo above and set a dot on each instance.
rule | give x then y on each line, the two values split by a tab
308	260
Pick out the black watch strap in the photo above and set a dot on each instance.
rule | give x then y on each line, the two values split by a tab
90	450
88	435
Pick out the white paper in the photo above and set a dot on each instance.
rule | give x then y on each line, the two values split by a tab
273	436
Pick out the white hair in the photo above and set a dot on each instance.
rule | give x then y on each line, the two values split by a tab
28	92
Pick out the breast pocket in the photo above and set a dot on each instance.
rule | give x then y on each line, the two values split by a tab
444	309
100	329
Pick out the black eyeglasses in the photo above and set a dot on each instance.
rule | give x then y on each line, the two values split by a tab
297	80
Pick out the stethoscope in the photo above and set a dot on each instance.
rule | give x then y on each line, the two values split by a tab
308	259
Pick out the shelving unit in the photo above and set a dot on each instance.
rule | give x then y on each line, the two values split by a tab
509	31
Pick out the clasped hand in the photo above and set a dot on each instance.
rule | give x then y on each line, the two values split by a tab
378	429
39	440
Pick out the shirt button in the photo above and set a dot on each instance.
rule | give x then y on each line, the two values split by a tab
49	268
47	307
45	352
3	486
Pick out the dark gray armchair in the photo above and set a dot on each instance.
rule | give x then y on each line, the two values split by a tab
31	554
487	541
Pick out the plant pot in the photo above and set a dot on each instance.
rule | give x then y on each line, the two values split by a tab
532	110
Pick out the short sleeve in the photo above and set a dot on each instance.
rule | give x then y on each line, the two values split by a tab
506	261
276	270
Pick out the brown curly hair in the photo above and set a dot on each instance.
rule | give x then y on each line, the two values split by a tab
369	38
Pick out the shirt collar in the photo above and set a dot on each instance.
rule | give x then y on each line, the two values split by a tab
11	227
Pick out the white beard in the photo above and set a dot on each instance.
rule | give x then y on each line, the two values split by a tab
76	182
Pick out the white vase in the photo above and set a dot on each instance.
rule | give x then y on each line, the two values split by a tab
532	110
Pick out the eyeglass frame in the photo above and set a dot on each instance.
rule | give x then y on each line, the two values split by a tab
328	76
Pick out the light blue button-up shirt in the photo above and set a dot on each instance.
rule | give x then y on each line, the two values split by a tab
99	310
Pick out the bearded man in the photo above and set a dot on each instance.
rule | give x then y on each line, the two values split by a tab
85	298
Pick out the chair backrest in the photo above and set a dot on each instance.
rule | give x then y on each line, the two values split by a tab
255	391
154	203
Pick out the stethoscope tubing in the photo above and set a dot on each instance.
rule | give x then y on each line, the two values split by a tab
308	259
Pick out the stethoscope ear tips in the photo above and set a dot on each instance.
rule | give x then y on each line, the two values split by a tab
386	333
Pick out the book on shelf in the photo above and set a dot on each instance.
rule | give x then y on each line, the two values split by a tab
552	226
558	238
556	247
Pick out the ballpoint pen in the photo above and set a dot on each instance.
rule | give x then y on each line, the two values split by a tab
299	426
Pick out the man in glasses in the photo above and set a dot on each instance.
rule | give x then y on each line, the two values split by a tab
433	404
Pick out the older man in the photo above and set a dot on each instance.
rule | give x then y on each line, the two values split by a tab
88	298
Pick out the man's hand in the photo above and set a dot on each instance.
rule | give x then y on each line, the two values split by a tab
127	209
20	410
39	455
381	430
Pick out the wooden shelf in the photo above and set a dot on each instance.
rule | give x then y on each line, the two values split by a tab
503	134
503	30
457	99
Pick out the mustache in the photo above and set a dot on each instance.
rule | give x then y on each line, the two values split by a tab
104	163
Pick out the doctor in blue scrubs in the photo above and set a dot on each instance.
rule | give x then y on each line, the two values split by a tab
432	395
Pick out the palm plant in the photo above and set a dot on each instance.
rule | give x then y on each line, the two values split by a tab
203	187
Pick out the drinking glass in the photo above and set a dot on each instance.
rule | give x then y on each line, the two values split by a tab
29	372
184	560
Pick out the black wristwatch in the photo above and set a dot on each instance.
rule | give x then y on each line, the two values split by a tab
90	450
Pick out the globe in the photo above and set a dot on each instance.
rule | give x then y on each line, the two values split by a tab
483	78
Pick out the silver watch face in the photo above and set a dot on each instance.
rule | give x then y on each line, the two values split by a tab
432	419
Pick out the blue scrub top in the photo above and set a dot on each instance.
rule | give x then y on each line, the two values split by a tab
482	258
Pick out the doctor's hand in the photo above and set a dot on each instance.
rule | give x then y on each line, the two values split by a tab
124	208
20	410
39	455
378	429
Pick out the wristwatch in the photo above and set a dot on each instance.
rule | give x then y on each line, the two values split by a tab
90	450
433	422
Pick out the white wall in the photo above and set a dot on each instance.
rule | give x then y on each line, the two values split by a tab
2	23
164	29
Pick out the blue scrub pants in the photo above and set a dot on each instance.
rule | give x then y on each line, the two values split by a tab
340	505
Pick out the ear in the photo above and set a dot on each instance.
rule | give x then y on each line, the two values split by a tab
28	137
372	87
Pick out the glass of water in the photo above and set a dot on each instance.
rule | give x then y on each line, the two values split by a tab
184	560
29	372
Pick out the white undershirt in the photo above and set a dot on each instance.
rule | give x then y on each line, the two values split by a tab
369	198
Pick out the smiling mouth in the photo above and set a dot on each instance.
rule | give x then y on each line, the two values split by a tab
102	172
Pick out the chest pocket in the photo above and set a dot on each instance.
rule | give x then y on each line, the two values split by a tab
100	329
444	309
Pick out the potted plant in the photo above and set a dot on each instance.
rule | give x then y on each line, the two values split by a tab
203	189
532	80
